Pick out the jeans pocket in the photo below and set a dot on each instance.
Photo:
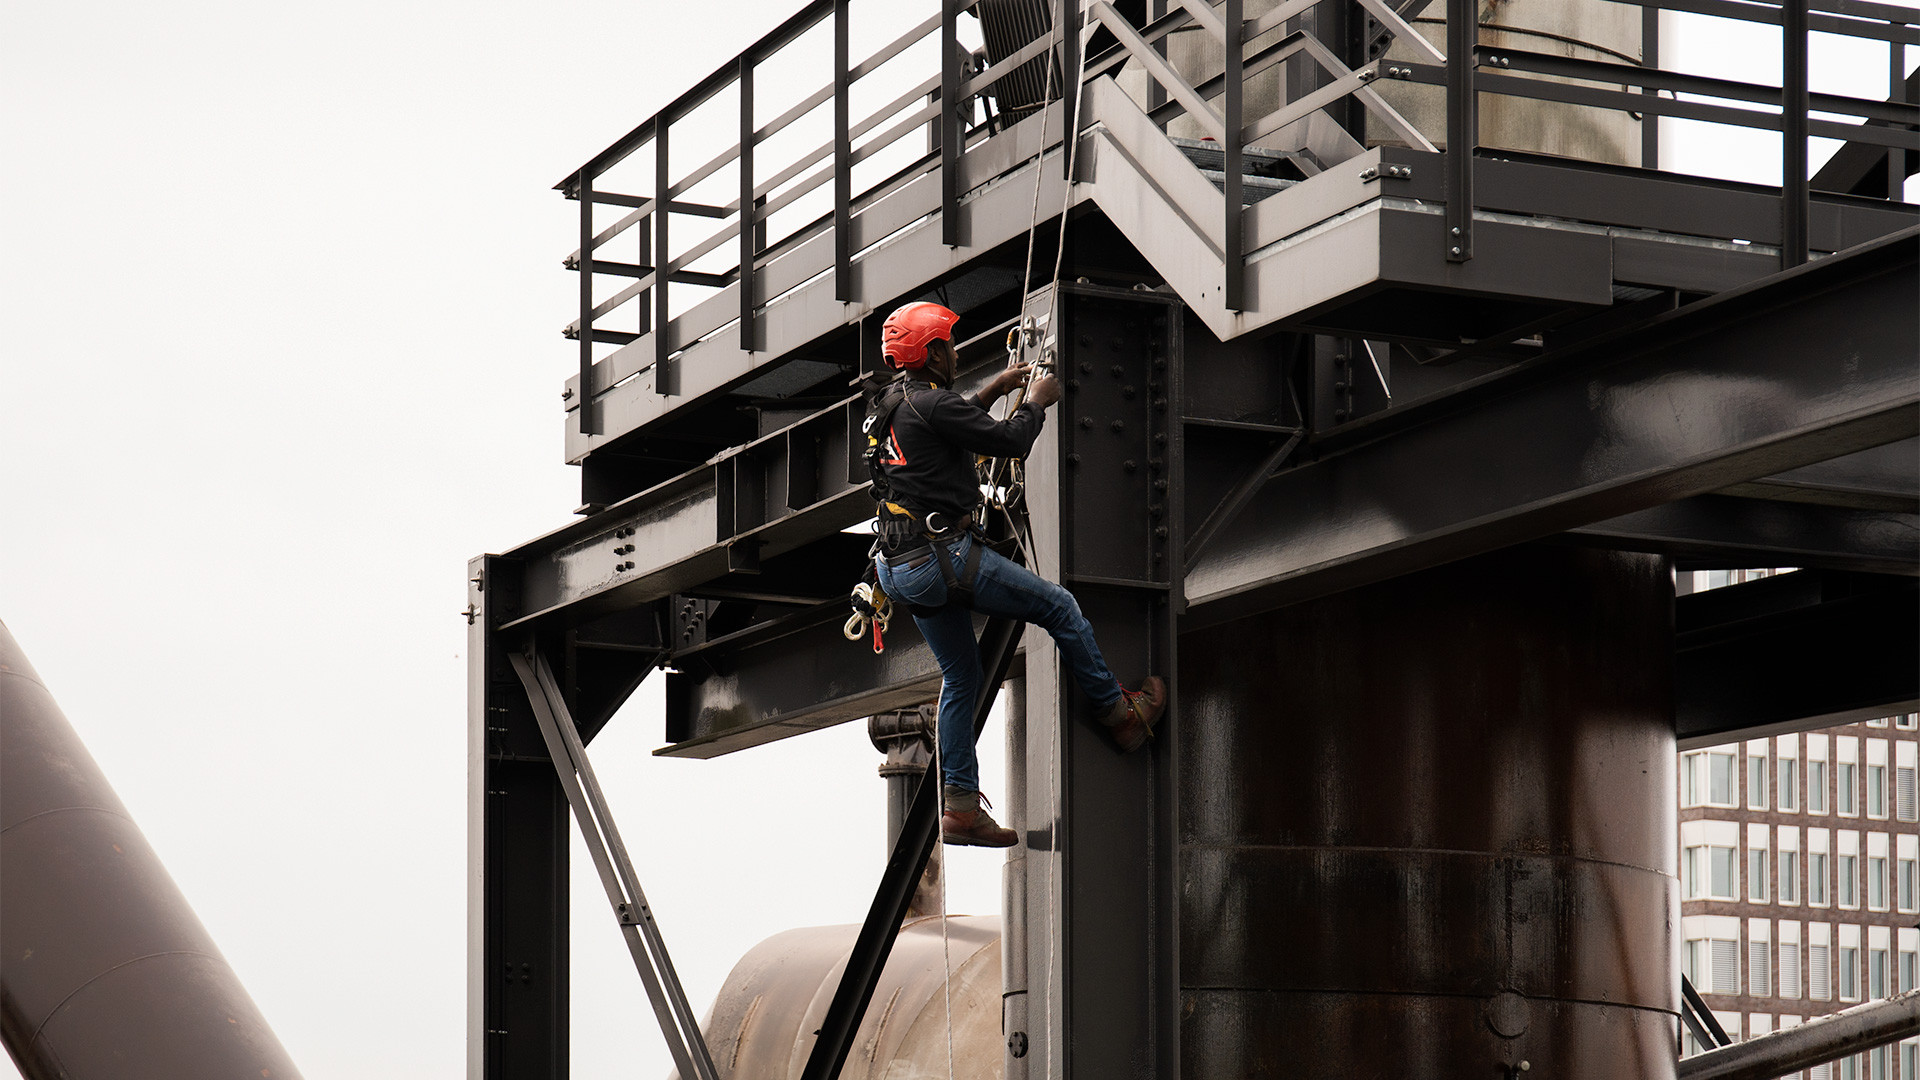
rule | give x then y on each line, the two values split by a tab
921	586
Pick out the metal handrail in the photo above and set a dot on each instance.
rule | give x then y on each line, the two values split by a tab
1465	69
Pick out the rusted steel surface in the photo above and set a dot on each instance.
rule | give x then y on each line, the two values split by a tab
107	972
1427	827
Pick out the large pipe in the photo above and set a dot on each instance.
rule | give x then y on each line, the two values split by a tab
108	973
1862	1027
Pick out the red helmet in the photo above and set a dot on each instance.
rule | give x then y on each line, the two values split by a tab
904	336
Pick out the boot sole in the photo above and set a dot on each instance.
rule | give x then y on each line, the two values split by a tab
968	841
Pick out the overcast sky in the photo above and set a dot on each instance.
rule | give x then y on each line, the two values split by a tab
280	292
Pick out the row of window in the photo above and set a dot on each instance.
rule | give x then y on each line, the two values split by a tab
1713	966
1707	779
1707	873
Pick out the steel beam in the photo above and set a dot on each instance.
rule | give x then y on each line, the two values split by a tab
1719	531
1795	652
1812	364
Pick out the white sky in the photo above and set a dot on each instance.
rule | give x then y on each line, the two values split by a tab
279	306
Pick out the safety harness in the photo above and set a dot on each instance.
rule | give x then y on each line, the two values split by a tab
905	538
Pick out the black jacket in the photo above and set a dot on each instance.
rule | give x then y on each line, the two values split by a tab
929	453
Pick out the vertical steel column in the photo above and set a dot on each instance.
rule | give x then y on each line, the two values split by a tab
665	379
1896	91
1232	239
517	940
749	209
1156	94
1102	897
1794	188
589	423
842	161
643	256
1070	87
1649	61
1463	124
950	132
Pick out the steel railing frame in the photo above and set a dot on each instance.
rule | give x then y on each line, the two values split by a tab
946	94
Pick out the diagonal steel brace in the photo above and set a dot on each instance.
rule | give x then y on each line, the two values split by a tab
677	1022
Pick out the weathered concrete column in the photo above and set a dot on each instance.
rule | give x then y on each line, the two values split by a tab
1427	827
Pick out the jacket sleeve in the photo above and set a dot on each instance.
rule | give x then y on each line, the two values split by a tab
962	422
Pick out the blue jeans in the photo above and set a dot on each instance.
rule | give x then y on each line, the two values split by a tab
1004	589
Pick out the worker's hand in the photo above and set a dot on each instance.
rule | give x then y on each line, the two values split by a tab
1007	381
1044	392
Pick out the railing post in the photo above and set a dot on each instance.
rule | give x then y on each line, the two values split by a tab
1463	125
749	215
1793	133
842	162
1070	83
1649	61
1231	239
949	124
665	380
588	424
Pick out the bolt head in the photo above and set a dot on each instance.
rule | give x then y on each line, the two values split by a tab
1454	250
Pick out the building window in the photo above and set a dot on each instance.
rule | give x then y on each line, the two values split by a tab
1757	875
1876	791
1907	720
1877	882
1707	779
1877	973
1819	984
1849	1068
1713	965
1816	787
1789	877
1908	881
1882	1058
1757	982
1909	1061
1848	881
1909	970
1904	794
1709	873
1849	973
1789	783
1756	782
1789	969
1817	878
1846	794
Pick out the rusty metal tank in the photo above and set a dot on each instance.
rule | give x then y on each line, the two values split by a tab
1427	828
774	999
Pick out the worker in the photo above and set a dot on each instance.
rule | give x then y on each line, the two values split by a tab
931	555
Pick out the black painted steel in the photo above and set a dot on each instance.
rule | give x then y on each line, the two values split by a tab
1233	258
589	417
1811	649
1793	157
665	378
1463	125
842	159
1706	1026
108	972
1427	826
749	237
1752	383
950	133
897	883
609	854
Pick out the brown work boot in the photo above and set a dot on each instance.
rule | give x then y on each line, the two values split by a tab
1130	720
966	822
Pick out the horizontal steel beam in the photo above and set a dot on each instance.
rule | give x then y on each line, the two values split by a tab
1812	364
1721	531
1794	652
